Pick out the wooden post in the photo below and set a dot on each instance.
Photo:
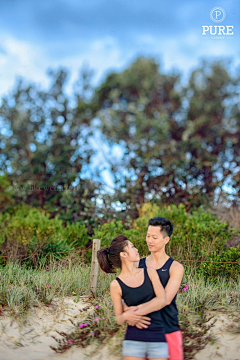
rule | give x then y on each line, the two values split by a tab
94	265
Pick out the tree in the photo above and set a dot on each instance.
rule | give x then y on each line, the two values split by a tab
211	131
179	144
138	108
45	150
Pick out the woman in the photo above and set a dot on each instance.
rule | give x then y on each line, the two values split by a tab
140	288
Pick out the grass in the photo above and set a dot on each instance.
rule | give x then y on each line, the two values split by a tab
22	288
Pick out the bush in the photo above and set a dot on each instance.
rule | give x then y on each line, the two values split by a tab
196	237
221	264
28	235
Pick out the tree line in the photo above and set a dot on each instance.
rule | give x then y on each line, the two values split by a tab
178	143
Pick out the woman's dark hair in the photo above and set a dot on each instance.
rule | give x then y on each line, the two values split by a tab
165	225
109	258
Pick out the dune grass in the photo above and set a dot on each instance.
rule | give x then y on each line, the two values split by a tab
22	288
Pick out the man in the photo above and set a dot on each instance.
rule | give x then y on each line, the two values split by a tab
170	273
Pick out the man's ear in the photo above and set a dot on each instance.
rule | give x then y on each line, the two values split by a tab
166	240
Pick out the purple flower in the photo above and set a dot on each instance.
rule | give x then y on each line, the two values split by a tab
81	326
103	318
184	289
96	307
40	290
92	333
8	290
0	277
70	341
96	319
86	324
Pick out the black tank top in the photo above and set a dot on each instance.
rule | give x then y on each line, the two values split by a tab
140	295
169	312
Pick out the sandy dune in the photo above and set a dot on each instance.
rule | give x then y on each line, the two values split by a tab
227	343
31	340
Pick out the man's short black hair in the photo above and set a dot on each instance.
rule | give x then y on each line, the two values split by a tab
165	224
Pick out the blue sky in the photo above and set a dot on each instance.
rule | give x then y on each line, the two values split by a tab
108	35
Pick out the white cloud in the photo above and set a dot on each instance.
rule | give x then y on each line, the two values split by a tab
22	59
19	58
30	60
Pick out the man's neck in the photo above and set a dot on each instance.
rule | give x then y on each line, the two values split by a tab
158	257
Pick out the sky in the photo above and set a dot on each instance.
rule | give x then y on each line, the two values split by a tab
108	35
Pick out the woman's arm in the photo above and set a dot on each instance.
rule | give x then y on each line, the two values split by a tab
159	301
116	294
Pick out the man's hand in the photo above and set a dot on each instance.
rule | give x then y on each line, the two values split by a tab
131	315
142	323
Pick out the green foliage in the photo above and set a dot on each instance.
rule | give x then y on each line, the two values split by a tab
178	144
48	150
75	235
27	234
176	140
196	237
216	265
6	195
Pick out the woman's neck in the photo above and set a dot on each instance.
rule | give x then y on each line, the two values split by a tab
128	268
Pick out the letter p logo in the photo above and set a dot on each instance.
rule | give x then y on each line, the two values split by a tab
217	14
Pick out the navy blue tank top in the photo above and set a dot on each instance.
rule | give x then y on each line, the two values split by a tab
140	295
169	312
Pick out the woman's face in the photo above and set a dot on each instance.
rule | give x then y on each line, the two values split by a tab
132	252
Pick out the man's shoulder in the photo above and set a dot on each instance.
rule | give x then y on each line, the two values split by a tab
176	267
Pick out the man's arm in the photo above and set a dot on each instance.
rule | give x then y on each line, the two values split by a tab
172	287
174	282
159	301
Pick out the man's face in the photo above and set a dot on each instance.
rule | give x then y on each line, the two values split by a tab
156	240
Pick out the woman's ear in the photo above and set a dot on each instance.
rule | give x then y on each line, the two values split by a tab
123	254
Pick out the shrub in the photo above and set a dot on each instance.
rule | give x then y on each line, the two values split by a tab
196	237
27	234
221	264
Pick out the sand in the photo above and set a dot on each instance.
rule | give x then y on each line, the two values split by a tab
227	343
31	339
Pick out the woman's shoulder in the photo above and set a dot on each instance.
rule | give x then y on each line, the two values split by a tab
115	286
